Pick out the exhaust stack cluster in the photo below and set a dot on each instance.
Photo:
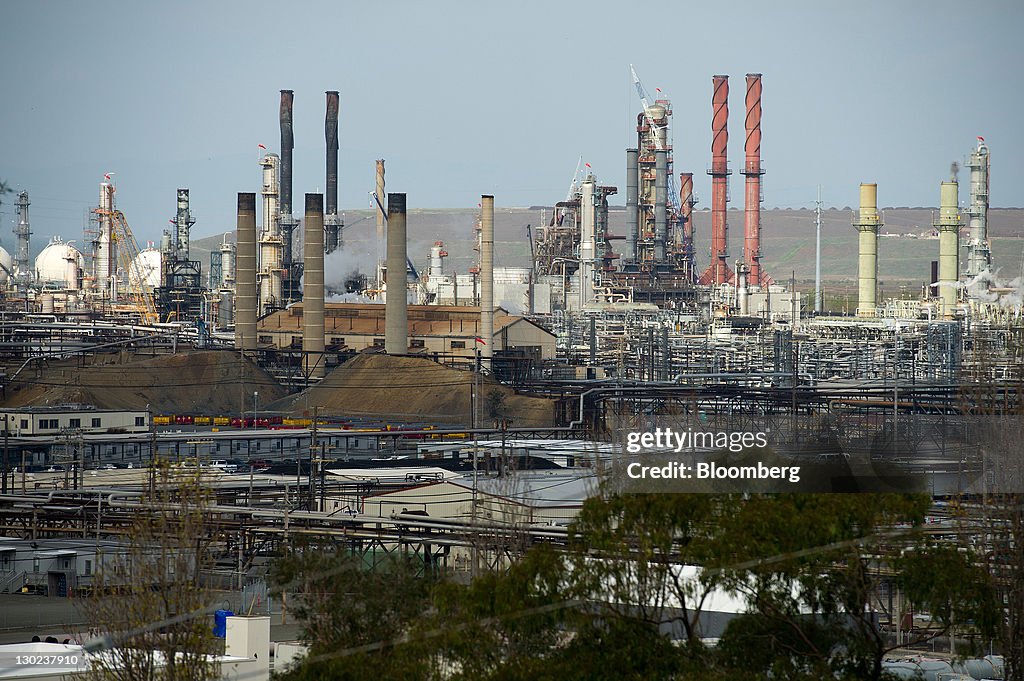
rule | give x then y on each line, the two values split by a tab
718	272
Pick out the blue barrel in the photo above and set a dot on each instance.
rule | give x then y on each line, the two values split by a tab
220	622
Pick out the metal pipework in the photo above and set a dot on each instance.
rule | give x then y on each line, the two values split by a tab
753	171
632	207
487	278
313	287
332	223
948	225
867	225
979	254
396	310
660	203
381	208
245	273
718	271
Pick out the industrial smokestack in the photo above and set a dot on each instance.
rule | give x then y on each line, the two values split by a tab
718	271
23	232
396	311
979	255
286	220
632	207
487	278
381	214
686	202
948	225
660	203
313	287
332	223
753	171
867	225
245	273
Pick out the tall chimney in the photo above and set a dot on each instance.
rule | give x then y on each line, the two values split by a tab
245	273
332	223
686	202
867	225
487	279
718	271
948	225
381	215
286	221
660	203
632	206
753	172
396	310
313	287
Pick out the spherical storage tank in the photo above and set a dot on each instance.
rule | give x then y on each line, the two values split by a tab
59	264
6	265
147	266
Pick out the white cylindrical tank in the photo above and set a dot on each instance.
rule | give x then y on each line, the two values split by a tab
46	303
6	265
60	264
146	266
227	263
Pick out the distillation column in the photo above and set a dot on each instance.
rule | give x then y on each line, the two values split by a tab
271	276
103	248
588	231
23	233
332	221
183	222
753	171
660	204
632	206
979	255
948	225
396	306
867	225
718	271
245	273
313	287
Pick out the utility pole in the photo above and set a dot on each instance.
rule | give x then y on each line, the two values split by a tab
817	253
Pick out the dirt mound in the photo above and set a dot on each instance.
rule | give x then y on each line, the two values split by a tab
201	382
416	389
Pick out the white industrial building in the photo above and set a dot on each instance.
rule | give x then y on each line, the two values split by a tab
30	421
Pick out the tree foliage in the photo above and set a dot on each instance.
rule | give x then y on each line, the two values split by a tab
148	598
642	565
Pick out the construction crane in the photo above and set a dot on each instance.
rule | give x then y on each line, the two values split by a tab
129	262
673	194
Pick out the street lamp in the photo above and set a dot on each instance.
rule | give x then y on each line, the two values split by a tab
255	396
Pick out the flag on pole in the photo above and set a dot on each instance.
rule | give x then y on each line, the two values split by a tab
587	164
480	340
980	138
261	146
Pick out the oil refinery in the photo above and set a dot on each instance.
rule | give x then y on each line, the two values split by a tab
345	382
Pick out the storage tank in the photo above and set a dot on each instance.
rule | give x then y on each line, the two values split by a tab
146	266
59	264
6	265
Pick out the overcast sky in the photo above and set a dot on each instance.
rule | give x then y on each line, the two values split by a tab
468	98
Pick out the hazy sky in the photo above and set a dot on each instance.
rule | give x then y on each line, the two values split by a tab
467	98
